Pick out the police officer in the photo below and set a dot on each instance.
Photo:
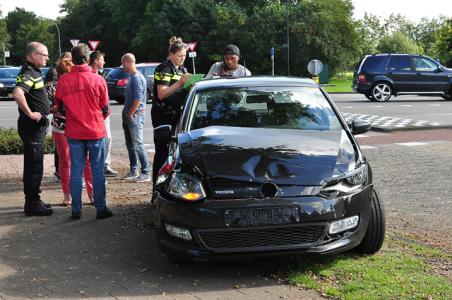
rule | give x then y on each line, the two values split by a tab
33	102
169	96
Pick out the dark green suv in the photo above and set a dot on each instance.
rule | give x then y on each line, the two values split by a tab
380	76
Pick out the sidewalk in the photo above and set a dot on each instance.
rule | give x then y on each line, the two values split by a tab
55	257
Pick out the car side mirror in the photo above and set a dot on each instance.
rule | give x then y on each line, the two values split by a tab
439	69
360	126
163	133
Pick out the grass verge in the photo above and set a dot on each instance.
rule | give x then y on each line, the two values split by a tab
340	84
403	269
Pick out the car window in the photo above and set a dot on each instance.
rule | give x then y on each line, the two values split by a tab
270	107
399	63
9	73
424	65
375	63
147	71
117	73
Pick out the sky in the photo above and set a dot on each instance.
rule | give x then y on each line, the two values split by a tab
413	10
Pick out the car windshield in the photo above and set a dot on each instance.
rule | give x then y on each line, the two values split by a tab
9	73
303	108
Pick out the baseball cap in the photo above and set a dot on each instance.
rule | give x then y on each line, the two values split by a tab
232	50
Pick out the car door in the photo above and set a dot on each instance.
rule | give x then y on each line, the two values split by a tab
429	76
401	72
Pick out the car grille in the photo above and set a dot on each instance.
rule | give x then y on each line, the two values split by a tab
251	239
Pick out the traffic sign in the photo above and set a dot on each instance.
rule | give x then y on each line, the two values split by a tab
272	52
93	44
7	53
74	42
315	67
192	46
192	54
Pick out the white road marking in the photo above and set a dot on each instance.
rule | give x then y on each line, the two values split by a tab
367	147
405	105
376	106
412	144
434	105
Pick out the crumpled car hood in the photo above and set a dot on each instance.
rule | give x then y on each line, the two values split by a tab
282	156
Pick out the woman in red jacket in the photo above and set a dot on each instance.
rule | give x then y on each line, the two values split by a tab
61	146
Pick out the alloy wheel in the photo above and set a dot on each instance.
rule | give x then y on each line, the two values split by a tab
381	92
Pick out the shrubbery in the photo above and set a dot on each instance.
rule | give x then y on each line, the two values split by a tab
10	142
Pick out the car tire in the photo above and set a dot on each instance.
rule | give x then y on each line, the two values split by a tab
120	100
448	96
375	234
369	96
381	91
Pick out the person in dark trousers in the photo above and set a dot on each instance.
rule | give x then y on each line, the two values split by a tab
169	96
97	62
83	96
33	102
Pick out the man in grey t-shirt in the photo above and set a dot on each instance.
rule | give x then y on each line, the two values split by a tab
230	65
133	118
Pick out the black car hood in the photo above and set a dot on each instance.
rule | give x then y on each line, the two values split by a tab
282	156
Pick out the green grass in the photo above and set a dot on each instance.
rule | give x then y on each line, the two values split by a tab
340	83
403	269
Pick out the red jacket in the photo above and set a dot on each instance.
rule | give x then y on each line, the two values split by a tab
85	99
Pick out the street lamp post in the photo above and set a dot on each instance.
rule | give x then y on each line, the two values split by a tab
59	41
288	42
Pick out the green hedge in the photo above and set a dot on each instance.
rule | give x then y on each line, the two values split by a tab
10	142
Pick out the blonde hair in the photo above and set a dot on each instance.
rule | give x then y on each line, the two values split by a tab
176	44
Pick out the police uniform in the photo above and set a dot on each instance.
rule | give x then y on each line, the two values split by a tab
168	110
32	133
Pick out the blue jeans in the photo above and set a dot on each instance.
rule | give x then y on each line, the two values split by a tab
133	132
78	150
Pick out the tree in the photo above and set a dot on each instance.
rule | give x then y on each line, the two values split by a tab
443	44
397	42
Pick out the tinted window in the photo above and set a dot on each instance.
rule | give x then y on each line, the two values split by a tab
424	65
267	107
147	71
374	63
399	63
9	73
117	73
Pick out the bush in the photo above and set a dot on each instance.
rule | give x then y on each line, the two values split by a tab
10	142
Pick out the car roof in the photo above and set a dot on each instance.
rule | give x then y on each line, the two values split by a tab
152	64
254	81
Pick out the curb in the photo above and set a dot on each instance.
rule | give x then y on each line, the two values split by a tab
411	128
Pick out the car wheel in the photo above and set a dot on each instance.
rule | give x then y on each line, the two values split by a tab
369	96
381	91
448	96
120	100
375	233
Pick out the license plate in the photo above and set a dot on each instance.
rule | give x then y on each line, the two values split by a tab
261	216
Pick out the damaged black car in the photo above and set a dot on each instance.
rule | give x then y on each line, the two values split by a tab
264	166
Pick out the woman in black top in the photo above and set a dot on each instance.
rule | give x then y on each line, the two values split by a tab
169	96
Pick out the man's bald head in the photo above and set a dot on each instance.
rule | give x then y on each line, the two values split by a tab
128	57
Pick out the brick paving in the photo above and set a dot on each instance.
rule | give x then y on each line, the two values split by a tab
53	257
117	258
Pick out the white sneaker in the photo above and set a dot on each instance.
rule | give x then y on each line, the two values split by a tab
143	178
131	176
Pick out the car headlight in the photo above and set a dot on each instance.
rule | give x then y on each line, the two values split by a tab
347	184
185	187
